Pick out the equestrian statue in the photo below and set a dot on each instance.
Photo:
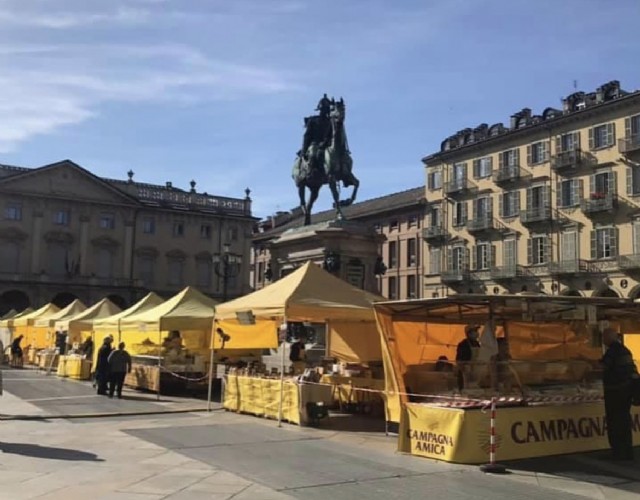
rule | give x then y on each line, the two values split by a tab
325	158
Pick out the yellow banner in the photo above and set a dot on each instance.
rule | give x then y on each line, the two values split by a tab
262	335
462	436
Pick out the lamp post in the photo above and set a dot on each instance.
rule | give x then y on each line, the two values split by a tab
226	266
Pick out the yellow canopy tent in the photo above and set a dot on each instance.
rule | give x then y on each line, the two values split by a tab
9	314
111	324
83	321
41	334
307	294
190	312
23	324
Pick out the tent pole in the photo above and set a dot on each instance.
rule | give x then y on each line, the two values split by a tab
212	358
284	344
159	362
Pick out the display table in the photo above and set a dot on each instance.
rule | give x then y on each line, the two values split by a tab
46	360
344	390
74	367
462	436
146	374
261	396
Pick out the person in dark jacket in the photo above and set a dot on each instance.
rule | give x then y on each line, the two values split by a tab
16	352
618	372
102	366
465	354
119	366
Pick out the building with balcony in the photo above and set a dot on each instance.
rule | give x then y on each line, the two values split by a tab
66	233
549	204
400	217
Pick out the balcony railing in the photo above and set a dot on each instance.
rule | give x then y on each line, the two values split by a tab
459	186
511	173
629	144
70	280
535	215
454	275
628	262
599	202
505	273
484	223
175	198
570	267
567	160
434	233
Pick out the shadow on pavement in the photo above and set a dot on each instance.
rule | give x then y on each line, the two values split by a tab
37	451
348	422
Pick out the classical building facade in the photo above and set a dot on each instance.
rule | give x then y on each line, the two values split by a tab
550	204
398	216
66	233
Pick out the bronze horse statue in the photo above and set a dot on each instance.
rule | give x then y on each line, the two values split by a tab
325	158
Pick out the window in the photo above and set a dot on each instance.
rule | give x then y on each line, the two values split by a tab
412	221
107	221
633	181
602	136
510	253
393	226
482	208
57	258
632	126
569	193
104	263
435	217
146	270
538	200
412	252
538	152
411	287
176	268
636	238
393	288
9	257
205	231
434	179
460	213
538	250
482	257
203	273
567	142
393	254
260	277
435	259
510	158
61	218
604	243
509	204
458	258
233	233
482	167
178	229
13	211
569	242
602	184
148	225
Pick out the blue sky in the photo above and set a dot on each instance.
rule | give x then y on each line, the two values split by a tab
216	90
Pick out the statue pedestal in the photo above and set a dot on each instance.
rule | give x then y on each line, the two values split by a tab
347	249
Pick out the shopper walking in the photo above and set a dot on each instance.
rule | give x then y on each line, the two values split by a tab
102	366
119	366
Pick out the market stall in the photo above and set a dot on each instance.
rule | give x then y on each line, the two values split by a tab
24	324
169	343
6	324
111	324
42	335
311	295
538	355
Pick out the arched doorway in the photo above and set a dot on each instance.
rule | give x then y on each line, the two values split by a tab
118	300
13	299
63	299
607	293
569	292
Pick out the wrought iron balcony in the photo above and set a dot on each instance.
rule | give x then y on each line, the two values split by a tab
431	233
511	173
484	223
459	186
567	160
506	273
455	275
598	203
629	144
629	262
571	267
535	215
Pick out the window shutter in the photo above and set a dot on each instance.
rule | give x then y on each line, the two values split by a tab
529	199
580	191
474	258
476	169
575	192
613	182
547	249
546	146
516	203
546	197
464	212
490	165
559	200
592	142
629	172
492	257
576	140
627	128
530	251
450	258
516	157
592	184
613	241
489	213
500	161
636	238
611	134
501	203
529	156
466	258
464	170
594	245
558	145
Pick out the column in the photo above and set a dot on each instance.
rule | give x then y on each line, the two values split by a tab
129	227
84	244
36	243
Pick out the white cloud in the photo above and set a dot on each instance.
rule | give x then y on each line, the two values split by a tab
65	20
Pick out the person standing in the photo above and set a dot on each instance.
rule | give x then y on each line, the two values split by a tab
102	366
16	352
618	372
297	356
119	366
466	352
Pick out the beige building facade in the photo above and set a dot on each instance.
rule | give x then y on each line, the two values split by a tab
550	204
66	233
399	217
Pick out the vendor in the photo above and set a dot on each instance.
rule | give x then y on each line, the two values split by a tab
173	341
87	348
466	352
61	342
297	356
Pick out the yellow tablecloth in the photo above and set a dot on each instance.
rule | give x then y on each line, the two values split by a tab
74	367
345	389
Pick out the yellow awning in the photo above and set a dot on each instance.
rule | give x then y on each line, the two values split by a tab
28	319
70	311
112	323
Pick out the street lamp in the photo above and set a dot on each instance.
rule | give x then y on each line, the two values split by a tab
226	266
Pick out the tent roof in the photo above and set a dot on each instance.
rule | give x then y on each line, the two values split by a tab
28	319
149	301
307	294
471	308
9	314
188	310
85	318
68	312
